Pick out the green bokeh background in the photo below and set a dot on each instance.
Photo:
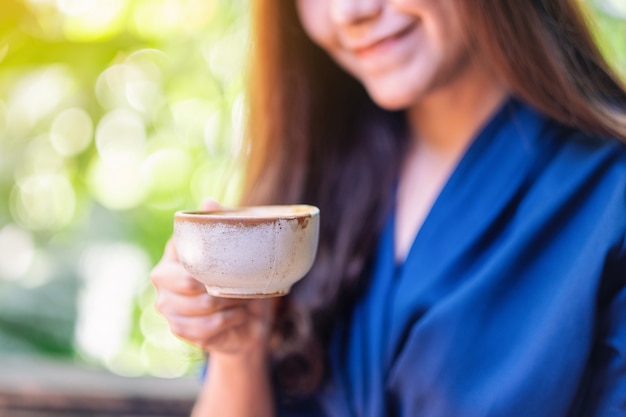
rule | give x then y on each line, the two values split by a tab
113	115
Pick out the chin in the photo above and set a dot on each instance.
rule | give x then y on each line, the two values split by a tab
394	93
392	100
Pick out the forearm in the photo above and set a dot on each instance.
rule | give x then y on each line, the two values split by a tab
236	386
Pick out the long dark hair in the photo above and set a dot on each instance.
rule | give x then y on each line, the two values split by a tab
314	136
545	52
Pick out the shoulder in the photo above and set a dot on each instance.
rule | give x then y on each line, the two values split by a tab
591	159
556	145
574	198
574	158
596	160
578	177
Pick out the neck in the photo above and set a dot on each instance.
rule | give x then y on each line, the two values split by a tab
446	120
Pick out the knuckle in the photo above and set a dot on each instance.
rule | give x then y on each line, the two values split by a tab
176	328
160	304
188	284
154	275
186	333
216	322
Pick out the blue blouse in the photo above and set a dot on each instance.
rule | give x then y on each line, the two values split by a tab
512	299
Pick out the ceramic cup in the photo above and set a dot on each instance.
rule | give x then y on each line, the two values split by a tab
248	252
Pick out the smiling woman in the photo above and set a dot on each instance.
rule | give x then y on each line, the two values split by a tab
469	163
396	55
115	114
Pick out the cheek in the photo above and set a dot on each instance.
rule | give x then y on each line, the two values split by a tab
448	22
447	41
315	20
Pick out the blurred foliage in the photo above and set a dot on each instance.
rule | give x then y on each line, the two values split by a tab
113	115
608	19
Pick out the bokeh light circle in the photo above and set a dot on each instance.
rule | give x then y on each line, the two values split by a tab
166	173
71	132
616	8
38	95
17	251
120	137
44	202
117	186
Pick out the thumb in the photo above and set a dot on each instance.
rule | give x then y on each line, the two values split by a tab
170	251
209	204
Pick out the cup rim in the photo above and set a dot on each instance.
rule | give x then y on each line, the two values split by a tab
243	213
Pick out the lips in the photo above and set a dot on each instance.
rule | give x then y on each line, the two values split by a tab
368	47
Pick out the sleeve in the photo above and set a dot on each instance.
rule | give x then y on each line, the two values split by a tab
608	390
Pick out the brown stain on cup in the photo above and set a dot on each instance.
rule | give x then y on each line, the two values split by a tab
248	252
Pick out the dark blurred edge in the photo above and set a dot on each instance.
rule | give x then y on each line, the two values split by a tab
40	387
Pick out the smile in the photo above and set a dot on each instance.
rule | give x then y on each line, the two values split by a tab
383	42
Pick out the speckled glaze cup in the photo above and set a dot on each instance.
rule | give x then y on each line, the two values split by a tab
248	252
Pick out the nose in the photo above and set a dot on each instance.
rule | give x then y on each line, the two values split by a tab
350	12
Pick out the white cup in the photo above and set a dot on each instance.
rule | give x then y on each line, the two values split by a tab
248	252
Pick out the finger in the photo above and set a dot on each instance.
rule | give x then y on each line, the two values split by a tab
170	251
171	276
200	330
228	341
173	304
210	204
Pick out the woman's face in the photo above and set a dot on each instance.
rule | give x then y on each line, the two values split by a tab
401	50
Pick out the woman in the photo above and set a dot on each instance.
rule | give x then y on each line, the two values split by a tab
468	160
